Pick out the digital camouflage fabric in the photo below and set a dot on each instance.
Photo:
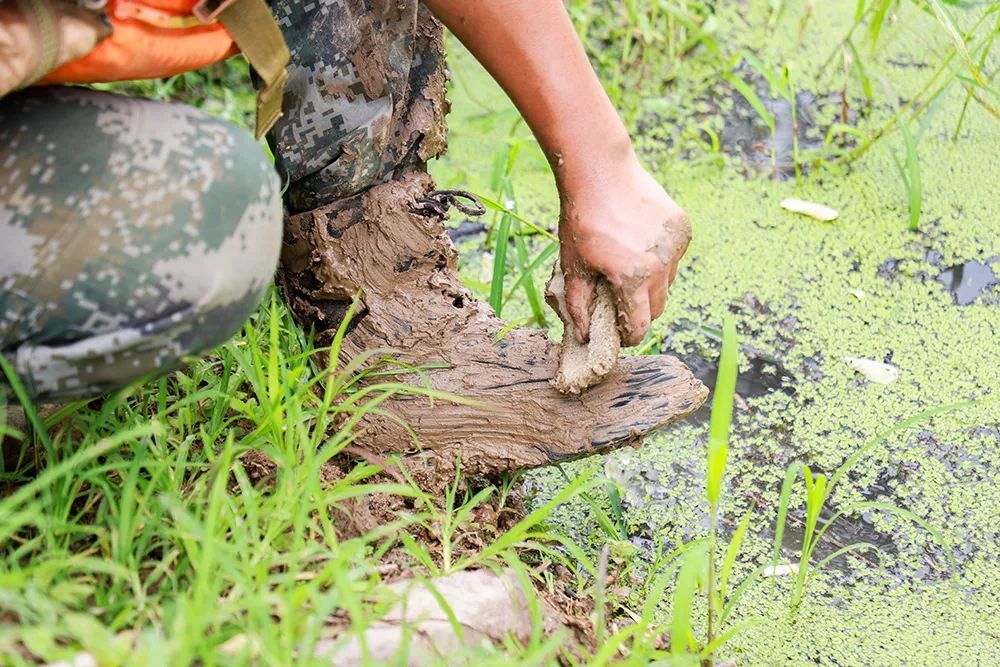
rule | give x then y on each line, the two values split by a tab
136	233
365	95
133	233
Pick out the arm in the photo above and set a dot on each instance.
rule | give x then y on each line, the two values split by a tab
615	220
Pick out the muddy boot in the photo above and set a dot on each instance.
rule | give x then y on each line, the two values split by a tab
389	245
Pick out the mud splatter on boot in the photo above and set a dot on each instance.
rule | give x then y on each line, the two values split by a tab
386	246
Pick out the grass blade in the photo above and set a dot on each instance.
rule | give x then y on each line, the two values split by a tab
732	551
500	264
722	412
909	171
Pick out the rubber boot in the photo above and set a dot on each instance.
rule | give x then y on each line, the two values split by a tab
388	244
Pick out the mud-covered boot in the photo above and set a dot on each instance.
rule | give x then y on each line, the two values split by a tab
389	245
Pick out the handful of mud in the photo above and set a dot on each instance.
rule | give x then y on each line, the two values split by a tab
581	366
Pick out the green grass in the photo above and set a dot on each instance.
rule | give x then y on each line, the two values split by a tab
909	173
819	490
148	533
144	528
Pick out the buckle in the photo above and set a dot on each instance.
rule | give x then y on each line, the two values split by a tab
208	11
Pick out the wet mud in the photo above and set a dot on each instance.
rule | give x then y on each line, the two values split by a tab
387	247
582	365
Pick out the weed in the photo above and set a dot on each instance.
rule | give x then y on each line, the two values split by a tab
818	492
718	449
909	173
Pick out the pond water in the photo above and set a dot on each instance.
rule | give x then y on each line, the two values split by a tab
807	295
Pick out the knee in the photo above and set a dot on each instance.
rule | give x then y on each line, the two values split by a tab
221	272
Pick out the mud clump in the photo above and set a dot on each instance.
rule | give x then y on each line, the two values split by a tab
388	246
581	366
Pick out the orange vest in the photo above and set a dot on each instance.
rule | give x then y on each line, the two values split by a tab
151	39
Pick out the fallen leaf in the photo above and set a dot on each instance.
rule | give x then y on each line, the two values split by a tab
812	209
779	570
876	371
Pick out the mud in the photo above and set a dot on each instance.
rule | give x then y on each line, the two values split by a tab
581	366
395	253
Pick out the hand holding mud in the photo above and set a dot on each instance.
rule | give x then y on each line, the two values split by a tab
616	221
619	224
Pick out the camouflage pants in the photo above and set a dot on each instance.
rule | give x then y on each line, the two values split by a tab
135	233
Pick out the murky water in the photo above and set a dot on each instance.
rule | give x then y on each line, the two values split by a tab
969	280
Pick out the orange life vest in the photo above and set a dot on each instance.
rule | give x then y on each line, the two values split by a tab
151	39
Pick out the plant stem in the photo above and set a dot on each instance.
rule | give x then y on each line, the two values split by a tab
713	525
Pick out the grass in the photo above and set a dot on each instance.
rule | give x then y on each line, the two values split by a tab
146	528
150	533
819	490
909	173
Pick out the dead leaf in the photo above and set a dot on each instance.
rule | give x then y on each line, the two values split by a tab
876	371
782	570
809	208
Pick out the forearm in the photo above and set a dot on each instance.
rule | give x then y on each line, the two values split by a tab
531	49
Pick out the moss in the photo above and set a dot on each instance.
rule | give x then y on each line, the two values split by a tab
789	281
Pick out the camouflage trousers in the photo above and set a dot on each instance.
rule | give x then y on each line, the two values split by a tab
135	233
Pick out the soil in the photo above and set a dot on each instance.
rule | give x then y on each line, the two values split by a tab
582	365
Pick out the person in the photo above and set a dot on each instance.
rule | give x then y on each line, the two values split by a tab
137	232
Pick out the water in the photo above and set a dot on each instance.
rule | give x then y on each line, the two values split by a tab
969	280
745	134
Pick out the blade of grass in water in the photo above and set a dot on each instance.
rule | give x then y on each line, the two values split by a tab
722	412
718	447
909	172
687	585
947	21
752	99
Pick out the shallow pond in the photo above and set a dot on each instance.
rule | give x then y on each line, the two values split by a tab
806	296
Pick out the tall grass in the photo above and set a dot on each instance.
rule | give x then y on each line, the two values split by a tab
718	450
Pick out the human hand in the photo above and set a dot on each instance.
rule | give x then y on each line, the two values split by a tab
23	60
621	225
